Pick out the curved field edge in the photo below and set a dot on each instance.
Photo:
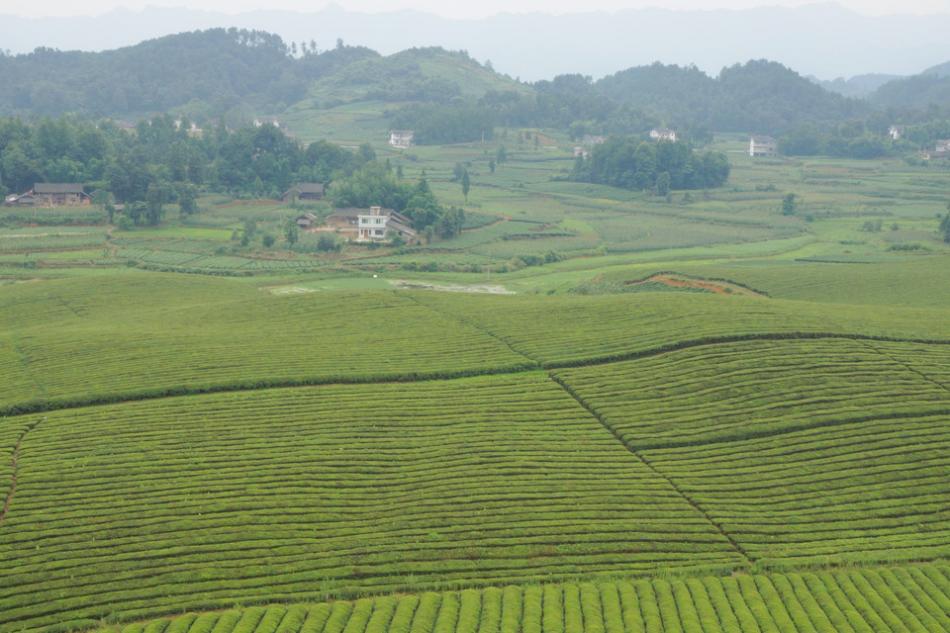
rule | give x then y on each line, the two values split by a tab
145	338
913	598
56	404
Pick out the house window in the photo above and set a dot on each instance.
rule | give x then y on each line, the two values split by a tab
379	231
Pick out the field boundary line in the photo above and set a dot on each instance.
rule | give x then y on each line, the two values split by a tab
734	338
478	326
636	453
531	365
765	433
14	463
260	385
906	366
25	362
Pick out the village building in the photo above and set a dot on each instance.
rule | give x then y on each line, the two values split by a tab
896	132
401	139
663	134
941	150
306	221
344	220
304	192
592	139
581	152
762	146
262	121
51	194
383	225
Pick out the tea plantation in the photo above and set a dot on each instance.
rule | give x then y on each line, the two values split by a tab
594	411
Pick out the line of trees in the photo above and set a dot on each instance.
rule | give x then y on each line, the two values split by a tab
160	162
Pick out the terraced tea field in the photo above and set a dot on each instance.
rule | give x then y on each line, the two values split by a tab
300	494
854	492
351	459
422	441
736	391
914	599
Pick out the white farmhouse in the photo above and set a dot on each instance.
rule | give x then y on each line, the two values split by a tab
762	146
381	225
663	134
895	132
401	139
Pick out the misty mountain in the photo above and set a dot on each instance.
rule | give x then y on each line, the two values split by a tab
919	92
940	70
215	70
219	72
859	86
759	96
824	40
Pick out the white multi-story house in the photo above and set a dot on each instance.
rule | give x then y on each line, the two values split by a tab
382	225
401	139
663	134
762	146
896	132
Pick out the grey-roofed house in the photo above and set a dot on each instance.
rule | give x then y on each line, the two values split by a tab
304	191
51	194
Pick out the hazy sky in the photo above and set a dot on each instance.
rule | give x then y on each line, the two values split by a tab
451	8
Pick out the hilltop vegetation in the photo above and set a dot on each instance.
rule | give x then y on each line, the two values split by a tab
206	72
236	75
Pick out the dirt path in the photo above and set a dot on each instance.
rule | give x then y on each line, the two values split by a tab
717	286
487	289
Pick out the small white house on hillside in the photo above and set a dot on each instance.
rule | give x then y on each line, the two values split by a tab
401	139
663	134
762	146
895	132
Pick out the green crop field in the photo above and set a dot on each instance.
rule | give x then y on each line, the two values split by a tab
869	600
593	411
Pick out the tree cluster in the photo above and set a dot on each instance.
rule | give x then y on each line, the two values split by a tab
631	163
375	185
160	162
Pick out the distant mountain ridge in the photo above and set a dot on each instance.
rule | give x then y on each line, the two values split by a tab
239	75
824	40
859	86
